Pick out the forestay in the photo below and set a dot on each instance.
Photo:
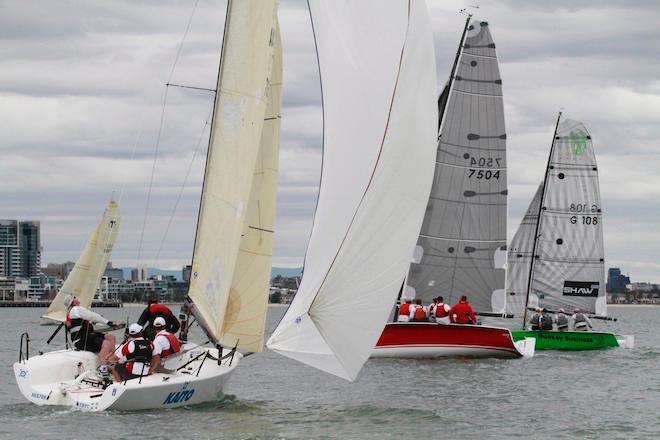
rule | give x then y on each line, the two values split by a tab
568	270
84	278
377	71
462	242
236	133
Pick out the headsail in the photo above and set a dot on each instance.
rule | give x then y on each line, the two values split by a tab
463	238
519	260
245	317
90	266
568	269
236	133
380	130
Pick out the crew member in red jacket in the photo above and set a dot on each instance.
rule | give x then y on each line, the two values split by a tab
462	313
154	310
404	311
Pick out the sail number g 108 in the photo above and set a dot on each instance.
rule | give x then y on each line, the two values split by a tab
584	220
582	207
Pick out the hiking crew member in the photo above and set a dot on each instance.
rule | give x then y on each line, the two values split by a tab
561	320
431	309
418	312
153	311
165	344
441	311
581	323
545	321
133	356
404	311
80	324
535	320
462	313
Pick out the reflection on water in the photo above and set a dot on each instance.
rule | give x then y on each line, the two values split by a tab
600	394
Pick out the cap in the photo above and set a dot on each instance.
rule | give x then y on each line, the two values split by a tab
134	329
561	310
159	322
576	310
68	299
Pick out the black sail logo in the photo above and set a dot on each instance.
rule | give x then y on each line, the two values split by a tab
581	288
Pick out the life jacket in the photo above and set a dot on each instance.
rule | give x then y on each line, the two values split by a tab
420	314
141	351
158	309
440	311
405	309
175	346
562	321
432	310
545	322
535	321
79	329
580	321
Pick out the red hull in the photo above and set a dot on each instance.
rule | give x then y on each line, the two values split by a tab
421	339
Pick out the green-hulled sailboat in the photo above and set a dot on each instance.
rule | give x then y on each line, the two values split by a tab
556	258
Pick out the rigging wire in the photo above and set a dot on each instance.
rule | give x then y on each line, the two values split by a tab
160	130
183	185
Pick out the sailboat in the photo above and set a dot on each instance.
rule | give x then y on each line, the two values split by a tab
556	259
86	274
380	129
461	247
233	245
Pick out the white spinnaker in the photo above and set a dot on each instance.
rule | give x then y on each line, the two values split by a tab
90	266
240	108
377	68
519	258
245	316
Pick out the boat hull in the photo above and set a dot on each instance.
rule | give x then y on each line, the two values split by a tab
69	378
431	340
570	341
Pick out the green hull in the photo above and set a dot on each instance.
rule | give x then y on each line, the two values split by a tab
574	341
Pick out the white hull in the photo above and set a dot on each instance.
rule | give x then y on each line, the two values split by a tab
61	378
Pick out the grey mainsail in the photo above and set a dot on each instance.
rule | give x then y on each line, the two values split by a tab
568	269
464	229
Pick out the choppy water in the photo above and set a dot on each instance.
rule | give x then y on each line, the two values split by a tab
612	394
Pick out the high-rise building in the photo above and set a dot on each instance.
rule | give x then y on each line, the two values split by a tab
616	282
139	274
20	248
114	273
186	272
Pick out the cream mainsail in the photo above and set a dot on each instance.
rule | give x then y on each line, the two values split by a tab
90	266
228	205
380	132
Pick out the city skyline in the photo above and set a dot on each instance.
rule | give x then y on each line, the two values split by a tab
83	86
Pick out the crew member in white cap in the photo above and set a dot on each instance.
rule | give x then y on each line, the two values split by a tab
80	324
132	356
165	343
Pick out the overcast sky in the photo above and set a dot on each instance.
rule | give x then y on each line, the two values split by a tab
82	86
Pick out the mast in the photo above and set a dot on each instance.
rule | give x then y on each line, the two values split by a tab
538	221
442	104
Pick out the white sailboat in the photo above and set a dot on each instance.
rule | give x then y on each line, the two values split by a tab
377	69
233	246
86	274
556	259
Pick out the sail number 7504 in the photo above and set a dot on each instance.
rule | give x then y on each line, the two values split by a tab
483	174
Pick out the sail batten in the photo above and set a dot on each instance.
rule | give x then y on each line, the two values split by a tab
380	129
462	241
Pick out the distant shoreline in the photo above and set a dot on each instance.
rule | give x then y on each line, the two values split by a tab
633	305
